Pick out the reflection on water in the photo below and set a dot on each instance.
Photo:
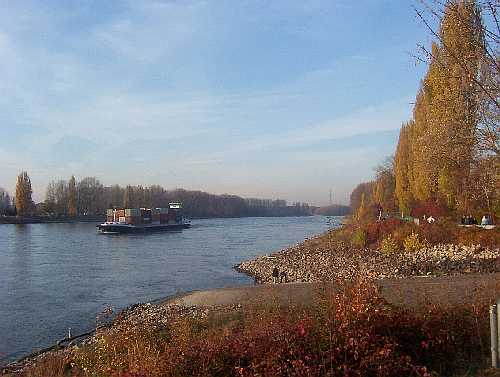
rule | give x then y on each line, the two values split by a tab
56	276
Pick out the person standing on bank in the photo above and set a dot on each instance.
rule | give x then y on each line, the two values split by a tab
276	275
283	277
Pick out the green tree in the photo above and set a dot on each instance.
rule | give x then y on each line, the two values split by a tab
24	203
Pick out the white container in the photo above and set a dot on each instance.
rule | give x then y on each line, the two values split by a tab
132	212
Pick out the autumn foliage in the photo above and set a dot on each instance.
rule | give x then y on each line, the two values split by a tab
349	332
446	162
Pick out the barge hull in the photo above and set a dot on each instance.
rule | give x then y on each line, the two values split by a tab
117	229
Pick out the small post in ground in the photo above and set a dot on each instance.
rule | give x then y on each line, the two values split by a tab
494	335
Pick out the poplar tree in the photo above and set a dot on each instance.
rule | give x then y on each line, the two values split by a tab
24	203
72	197
455	107
423	146
403	170
361	213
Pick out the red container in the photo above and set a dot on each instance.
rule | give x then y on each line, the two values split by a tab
133	220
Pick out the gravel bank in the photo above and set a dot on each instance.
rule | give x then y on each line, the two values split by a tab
321	259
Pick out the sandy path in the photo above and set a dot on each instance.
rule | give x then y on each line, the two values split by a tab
409	292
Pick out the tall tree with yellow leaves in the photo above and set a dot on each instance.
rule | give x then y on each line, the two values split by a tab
24	203
403	170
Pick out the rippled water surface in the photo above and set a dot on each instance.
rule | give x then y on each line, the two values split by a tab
56	276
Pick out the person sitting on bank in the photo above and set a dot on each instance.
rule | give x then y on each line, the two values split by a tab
486	220
275	275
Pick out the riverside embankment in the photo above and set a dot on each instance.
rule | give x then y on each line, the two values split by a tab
326	258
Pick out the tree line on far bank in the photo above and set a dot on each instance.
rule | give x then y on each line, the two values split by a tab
89	197
446	161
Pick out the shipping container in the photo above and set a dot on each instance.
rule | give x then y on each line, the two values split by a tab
133	220
132	212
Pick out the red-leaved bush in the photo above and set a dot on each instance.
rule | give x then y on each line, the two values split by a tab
351	331
428	208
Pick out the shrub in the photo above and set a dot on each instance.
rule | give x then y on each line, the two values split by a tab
413	243
352	332
402	232
477	236
443	232
376	231
389	245
359	238
437	209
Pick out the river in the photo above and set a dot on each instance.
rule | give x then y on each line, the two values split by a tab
59	276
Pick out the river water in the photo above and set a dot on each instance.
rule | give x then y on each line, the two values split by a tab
57	276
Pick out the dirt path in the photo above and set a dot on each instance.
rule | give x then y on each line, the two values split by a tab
409	292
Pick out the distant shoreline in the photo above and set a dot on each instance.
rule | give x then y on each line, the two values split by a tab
90	219
48	220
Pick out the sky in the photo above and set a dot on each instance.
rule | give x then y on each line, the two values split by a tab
270	99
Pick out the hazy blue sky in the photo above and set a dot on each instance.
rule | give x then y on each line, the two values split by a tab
258	98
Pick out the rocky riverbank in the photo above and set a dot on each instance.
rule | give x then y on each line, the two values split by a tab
325	259
144	315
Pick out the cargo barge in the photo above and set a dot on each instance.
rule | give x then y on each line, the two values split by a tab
142	220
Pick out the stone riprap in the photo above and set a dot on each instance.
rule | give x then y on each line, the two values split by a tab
314	261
